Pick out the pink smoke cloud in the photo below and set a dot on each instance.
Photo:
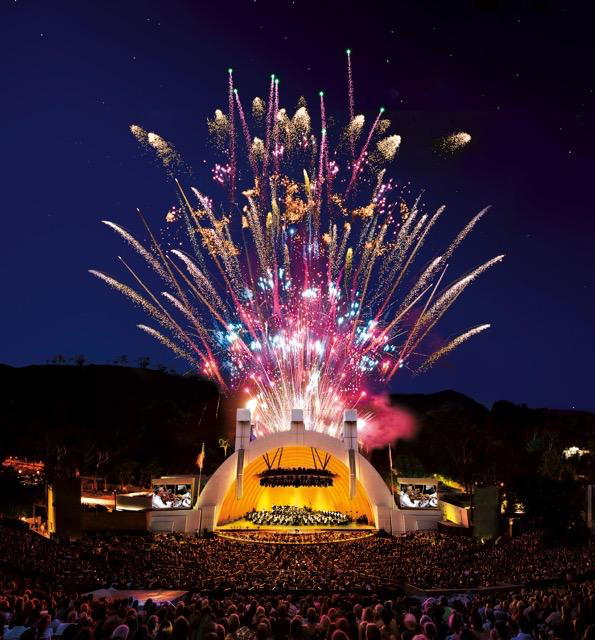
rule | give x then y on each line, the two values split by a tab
386	424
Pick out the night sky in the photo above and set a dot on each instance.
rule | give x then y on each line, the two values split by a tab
518	76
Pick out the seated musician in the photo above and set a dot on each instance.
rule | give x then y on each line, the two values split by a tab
160	499
183	499
407	498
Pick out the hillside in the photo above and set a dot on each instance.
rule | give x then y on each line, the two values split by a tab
463	439
154	422
149	419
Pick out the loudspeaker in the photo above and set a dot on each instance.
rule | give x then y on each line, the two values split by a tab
486	512
64	508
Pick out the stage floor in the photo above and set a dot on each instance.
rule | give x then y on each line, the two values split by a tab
246	531
141	595
247	525
321	536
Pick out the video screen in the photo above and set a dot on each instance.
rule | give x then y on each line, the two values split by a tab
418	496
172	496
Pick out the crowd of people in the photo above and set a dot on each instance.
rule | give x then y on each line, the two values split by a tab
283	515
184	561
30	610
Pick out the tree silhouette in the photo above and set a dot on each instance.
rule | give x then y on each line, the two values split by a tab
126	471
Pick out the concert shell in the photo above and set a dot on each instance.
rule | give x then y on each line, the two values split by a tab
358	489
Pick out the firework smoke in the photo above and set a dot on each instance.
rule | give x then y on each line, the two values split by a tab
385	423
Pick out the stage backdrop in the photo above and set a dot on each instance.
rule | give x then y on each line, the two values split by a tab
335	498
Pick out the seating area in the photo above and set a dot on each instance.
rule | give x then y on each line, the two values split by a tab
424	559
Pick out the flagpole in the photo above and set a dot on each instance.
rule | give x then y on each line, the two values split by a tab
390	466
202	459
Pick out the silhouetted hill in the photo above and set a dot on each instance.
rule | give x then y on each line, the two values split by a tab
154	422
424	402
463	439
150	419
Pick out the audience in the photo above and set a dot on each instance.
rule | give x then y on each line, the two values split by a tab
242	591
183	561
32	611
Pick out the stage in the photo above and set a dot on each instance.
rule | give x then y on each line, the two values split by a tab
293	535
295	481
247	525
159	596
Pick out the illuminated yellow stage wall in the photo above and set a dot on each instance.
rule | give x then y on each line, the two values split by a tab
335	498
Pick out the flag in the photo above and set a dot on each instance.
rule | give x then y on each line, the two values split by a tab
390	469
201	457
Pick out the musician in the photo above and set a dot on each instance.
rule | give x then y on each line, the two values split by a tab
433	498
407	498
184	497
160	499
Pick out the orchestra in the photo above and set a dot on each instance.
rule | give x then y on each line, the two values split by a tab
283	515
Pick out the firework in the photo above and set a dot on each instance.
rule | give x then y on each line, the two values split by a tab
298	288
219	128
140	134
388	147
453	142
453	344
173	214
258	108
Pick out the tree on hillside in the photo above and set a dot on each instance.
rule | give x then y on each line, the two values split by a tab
100	459
126	472
550	504
552	461
408	466
456	443
152	469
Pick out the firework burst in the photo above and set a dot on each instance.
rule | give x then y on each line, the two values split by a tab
300	287
453	142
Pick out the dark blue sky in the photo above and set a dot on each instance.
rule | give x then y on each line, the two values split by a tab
516	75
